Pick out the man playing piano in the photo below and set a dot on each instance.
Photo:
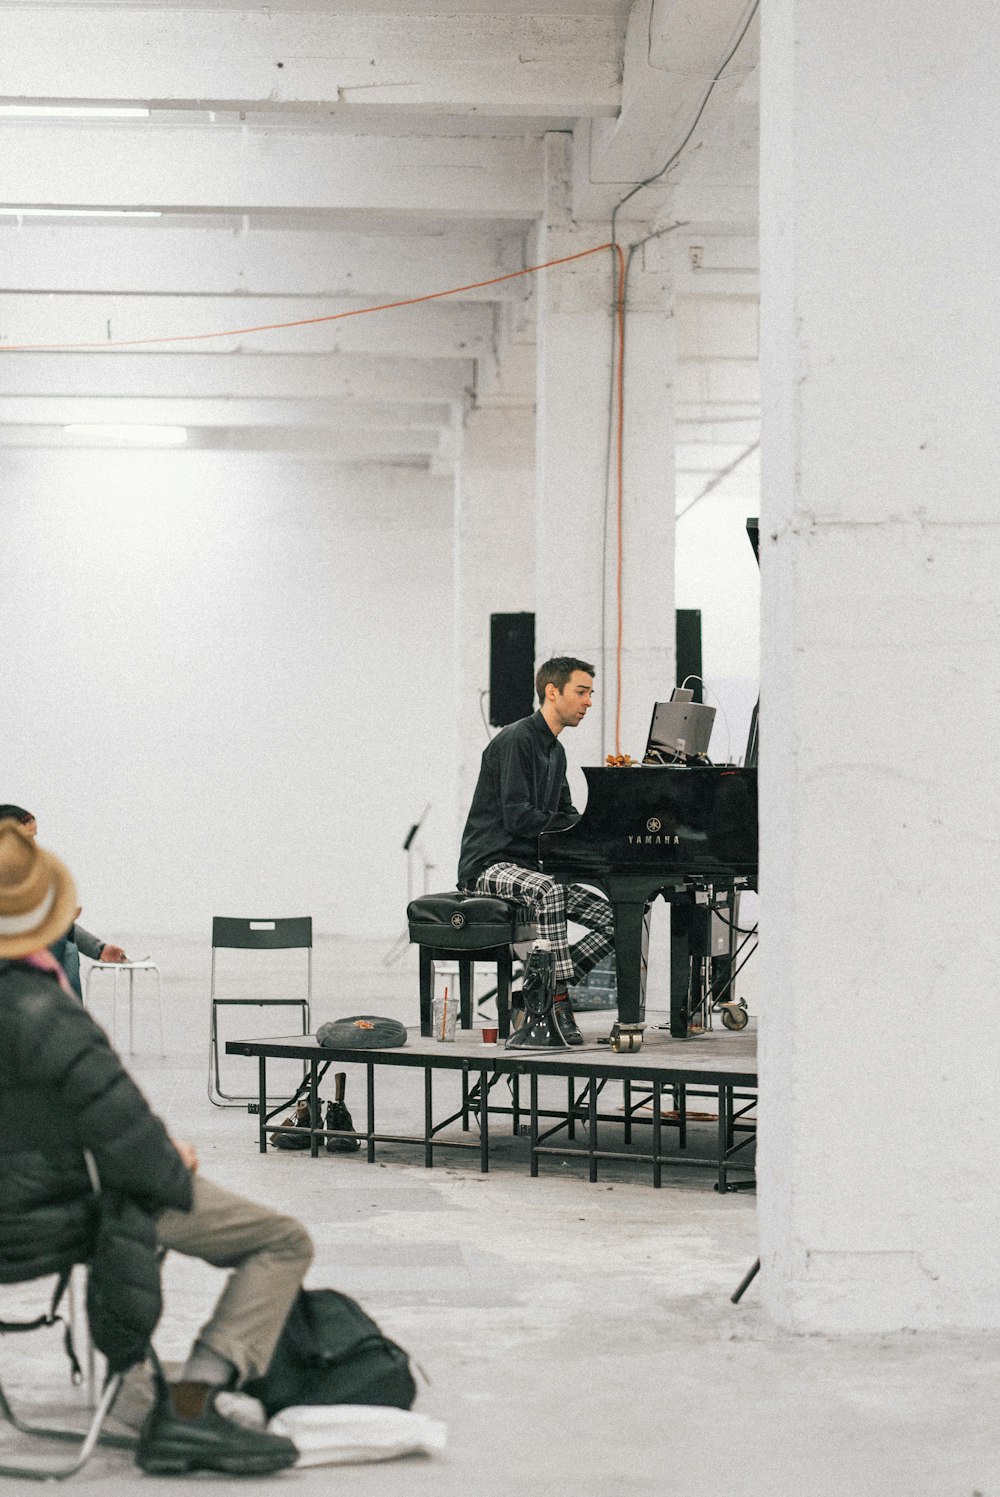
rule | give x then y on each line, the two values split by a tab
521	792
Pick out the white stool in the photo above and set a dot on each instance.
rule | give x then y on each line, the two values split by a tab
131	968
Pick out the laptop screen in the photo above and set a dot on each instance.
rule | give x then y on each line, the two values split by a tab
679	730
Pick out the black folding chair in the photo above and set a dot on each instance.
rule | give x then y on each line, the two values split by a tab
255	935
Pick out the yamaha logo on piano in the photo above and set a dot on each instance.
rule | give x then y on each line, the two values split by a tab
655	836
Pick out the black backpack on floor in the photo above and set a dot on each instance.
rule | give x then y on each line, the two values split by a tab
330	1351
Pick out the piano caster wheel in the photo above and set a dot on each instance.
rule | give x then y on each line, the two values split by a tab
734	1015
626	1038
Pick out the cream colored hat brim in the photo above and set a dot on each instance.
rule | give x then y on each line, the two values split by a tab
60	916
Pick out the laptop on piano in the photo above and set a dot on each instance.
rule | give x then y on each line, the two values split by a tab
680	731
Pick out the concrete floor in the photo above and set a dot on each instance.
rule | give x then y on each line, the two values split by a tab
578	1338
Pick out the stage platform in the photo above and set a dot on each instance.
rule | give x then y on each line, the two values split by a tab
657	1085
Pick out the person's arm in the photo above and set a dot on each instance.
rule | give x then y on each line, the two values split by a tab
86	944
521	817
106	1112
567	810
96	949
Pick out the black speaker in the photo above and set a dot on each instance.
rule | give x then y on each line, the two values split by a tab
688	641
512	667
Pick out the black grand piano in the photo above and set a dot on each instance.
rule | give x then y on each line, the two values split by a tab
648	830
687	832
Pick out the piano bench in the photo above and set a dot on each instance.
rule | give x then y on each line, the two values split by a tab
467	928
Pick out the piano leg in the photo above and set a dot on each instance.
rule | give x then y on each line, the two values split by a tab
631	948
682	912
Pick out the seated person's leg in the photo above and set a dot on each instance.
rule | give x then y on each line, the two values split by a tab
588	952
593	910
269	1254
547	901
588	907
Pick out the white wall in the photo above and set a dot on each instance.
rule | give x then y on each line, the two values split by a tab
494	563
716	572
227	681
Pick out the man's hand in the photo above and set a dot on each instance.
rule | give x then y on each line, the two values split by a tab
188	1153
111	953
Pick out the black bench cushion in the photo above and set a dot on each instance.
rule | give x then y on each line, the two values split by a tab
467	922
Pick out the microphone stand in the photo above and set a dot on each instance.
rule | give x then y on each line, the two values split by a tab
415	854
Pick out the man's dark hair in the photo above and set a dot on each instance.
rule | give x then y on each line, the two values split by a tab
16	813
558	670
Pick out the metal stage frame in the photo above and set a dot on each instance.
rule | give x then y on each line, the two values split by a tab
720	1066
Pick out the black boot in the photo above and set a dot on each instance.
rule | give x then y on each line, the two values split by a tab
172	1443
565	1021
300	1119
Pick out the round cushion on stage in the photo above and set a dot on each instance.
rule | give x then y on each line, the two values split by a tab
363	1032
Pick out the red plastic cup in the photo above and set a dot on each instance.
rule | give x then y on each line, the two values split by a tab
491	1033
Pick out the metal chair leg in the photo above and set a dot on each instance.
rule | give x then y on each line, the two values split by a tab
216	1095
76	1294
85	1439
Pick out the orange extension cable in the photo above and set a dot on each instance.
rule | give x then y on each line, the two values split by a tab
413	301
620	488
271	327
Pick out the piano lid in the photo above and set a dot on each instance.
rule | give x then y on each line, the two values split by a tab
695	821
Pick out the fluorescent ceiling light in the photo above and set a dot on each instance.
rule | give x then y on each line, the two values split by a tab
138	436
74	111
10	212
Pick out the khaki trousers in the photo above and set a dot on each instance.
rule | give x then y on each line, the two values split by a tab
269	1255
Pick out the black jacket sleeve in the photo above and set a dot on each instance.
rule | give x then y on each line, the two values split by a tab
87	944
104	1111
567	812
521	816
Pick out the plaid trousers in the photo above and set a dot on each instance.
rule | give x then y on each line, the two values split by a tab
552	905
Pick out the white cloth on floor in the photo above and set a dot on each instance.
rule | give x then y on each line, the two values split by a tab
338	1434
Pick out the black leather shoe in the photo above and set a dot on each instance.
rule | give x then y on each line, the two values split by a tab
565	1021
171	1446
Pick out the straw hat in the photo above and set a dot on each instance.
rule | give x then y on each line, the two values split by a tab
37	894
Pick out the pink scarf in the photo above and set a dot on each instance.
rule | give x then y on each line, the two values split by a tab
46	962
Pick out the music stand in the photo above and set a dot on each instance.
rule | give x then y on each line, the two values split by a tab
415	855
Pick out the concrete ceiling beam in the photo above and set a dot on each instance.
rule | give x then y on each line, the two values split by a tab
137	257
439	330
344	446
672	52
339	446
711	263
57	410
488	63
339	376
199	168
616	8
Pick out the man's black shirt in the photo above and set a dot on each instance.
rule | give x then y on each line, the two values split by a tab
521	791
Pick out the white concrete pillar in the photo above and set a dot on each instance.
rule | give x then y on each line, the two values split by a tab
879	1183
494	560
576	480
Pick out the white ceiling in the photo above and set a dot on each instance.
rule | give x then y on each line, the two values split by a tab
314	158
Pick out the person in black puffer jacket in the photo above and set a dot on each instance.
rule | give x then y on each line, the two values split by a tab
71	1119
